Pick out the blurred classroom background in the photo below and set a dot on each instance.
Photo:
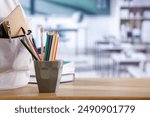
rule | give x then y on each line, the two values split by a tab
104	38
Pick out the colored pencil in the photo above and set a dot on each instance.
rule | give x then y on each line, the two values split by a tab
42	46
22	41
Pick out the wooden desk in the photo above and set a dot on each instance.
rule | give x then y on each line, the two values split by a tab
116	88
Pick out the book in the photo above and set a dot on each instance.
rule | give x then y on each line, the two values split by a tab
68	73
64	78
68	67
17	20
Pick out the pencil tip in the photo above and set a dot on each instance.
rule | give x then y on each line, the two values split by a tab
42	29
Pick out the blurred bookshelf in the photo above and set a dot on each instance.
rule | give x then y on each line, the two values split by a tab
132	15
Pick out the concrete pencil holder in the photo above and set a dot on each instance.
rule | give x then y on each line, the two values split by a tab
48	75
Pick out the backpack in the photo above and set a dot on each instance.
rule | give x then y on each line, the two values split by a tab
15	60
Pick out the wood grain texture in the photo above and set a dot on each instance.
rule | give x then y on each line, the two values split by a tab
88	88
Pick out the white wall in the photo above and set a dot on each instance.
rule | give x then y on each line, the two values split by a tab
6	7
99	26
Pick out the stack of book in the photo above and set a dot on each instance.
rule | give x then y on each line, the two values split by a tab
68	73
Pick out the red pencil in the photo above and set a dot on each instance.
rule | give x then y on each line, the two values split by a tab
35	50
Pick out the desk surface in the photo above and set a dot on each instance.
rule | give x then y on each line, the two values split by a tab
102	88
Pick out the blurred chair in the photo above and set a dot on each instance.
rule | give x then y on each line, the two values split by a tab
143	71
102	52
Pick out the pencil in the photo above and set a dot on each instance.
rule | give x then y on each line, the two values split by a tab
34	42
34	50
57	39
50	45
22	41
54	47
47	46
29	45
42	46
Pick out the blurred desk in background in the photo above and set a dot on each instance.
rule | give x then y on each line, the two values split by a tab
122	60
137	72
103	61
